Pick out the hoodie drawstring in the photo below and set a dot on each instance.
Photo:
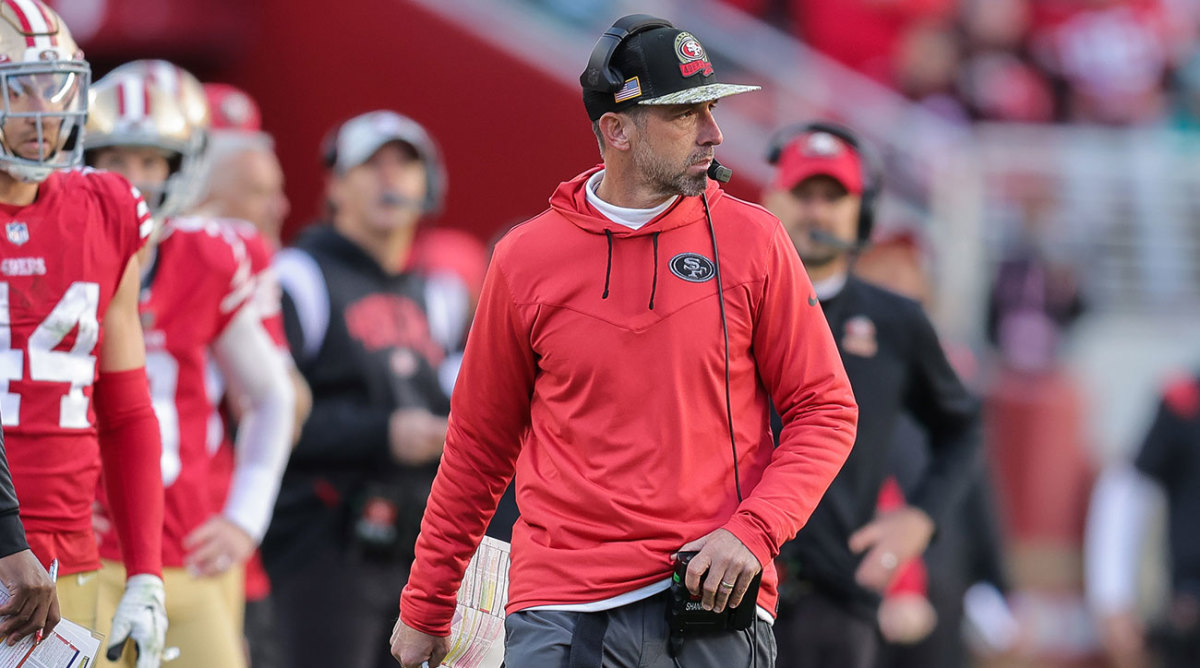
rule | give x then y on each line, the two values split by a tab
654	281
608	268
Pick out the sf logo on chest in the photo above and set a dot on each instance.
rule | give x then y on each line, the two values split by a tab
693	267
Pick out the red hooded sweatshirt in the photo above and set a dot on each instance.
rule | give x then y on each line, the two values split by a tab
595	370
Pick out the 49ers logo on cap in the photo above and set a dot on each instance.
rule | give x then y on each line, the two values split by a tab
692	57
823	144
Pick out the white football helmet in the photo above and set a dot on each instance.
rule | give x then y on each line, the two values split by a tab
43	85
133	106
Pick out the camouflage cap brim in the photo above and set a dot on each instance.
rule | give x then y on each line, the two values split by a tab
700	94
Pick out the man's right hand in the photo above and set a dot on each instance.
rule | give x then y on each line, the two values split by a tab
413	648
416	436
32	603
730	567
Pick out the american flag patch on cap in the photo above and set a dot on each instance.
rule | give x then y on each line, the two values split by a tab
631	89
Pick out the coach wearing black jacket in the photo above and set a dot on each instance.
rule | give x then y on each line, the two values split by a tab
824	191
340	542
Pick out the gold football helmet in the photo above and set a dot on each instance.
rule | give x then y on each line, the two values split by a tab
43	85
177	82
135	106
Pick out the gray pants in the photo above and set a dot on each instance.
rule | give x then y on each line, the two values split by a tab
636	637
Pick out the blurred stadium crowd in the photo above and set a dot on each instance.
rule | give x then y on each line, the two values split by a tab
1112	62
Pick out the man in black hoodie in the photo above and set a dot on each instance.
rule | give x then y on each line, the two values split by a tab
824	191
359	328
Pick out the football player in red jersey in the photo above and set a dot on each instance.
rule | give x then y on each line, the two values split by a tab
243	180
196	301
73	389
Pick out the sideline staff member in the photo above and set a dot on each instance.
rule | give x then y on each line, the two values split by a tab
824	192
617	335
358	327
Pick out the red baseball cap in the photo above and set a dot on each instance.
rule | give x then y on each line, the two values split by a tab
818	154
231	108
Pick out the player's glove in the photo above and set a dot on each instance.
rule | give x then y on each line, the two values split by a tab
142	617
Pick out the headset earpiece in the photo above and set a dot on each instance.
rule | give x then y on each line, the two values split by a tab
600	75
872	177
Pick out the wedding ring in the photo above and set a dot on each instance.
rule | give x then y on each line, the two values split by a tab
888	560
727	585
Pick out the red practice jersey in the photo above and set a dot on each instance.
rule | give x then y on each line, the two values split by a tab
62	259
198	280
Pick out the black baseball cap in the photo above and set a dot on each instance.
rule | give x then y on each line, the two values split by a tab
644	60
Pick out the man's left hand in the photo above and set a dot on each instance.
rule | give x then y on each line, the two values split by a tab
890	540
141	616
216	546
730	565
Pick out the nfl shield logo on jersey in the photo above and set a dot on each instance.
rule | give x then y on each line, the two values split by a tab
18	232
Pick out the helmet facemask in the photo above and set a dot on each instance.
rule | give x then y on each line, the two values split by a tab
43	110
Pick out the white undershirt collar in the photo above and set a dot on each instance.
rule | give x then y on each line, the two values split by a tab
631	218
830	287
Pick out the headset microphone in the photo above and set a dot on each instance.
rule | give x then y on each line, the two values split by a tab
391	198
719	172
823	237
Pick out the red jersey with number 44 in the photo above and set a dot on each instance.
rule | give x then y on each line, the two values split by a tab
197	281
61	260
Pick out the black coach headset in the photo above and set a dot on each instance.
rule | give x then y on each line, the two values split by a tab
601	77
427	152
872	178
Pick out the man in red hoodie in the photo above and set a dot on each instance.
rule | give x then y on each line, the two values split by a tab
624	351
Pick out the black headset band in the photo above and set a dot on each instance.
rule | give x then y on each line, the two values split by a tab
600	75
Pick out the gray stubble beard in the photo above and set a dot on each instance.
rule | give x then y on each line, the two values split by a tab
667	181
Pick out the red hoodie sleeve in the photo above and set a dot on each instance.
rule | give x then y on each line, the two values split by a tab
802	370
482	444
